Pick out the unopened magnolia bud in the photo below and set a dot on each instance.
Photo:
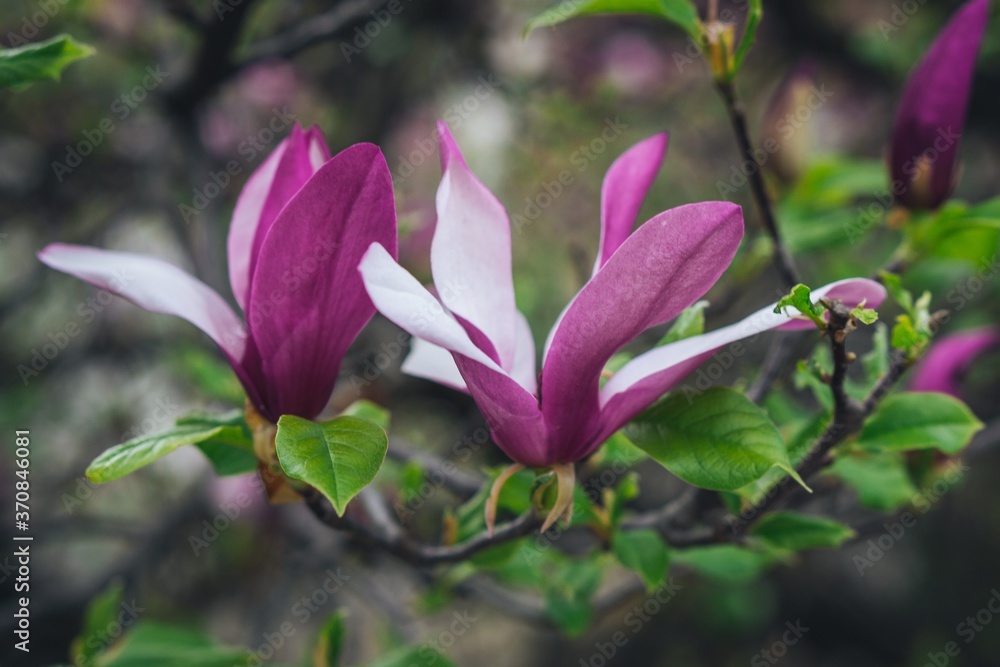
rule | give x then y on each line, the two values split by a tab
785	128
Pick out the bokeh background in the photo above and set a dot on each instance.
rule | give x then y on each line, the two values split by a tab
186	94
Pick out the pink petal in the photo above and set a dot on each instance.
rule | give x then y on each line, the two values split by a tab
159	287
470	253
949	358
524	369
307	302
624	189
511	411
642	381
433	362
265	194
663	267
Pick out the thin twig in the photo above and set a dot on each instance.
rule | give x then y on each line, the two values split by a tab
737	115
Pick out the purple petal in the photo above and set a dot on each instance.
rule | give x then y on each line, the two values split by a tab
511	411
950	357
470	254
661	269
159	287
266	192
624	189
307	302
642	381
931	114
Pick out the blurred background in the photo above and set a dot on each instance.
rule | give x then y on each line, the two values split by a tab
184	94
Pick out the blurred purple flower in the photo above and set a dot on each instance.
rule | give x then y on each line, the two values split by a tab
299	229
950	357
474	339
931	115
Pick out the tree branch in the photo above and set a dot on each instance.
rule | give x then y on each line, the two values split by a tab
737	116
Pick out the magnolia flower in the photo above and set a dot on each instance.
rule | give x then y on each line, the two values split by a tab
299	229
923	160
472	337
949	358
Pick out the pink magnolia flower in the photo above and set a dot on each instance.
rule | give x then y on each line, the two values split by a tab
299	229
923	159
472	337
949	358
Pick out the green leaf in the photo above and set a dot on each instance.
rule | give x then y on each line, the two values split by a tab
691	322
231	451
412	657
724	562
569	589
876	362
717	440
102	614
800	299
864	315
129	456
44	60
680	12
644	552
367	410
879	478
155	645
330	642
915	420
795	532
755	12
338	457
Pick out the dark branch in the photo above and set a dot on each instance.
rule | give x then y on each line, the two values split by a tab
737	115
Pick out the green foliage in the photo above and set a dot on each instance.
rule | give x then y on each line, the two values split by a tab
101	614
330	642
724	562
155	645
755	11
412	657
25	65
879	478
915	420
227	430
800	299
231	451
644	552
912	331
691	322
338	457
796	532
716	440
680	12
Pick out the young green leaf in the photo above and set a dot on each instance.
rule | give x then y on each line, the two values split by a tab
338	457
128	457
412	657
166	646
691	322
800	299
644	552
44	60
724	562
879	478
680	12
102	614
917	420
330	642
717	440
755	11
796	532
